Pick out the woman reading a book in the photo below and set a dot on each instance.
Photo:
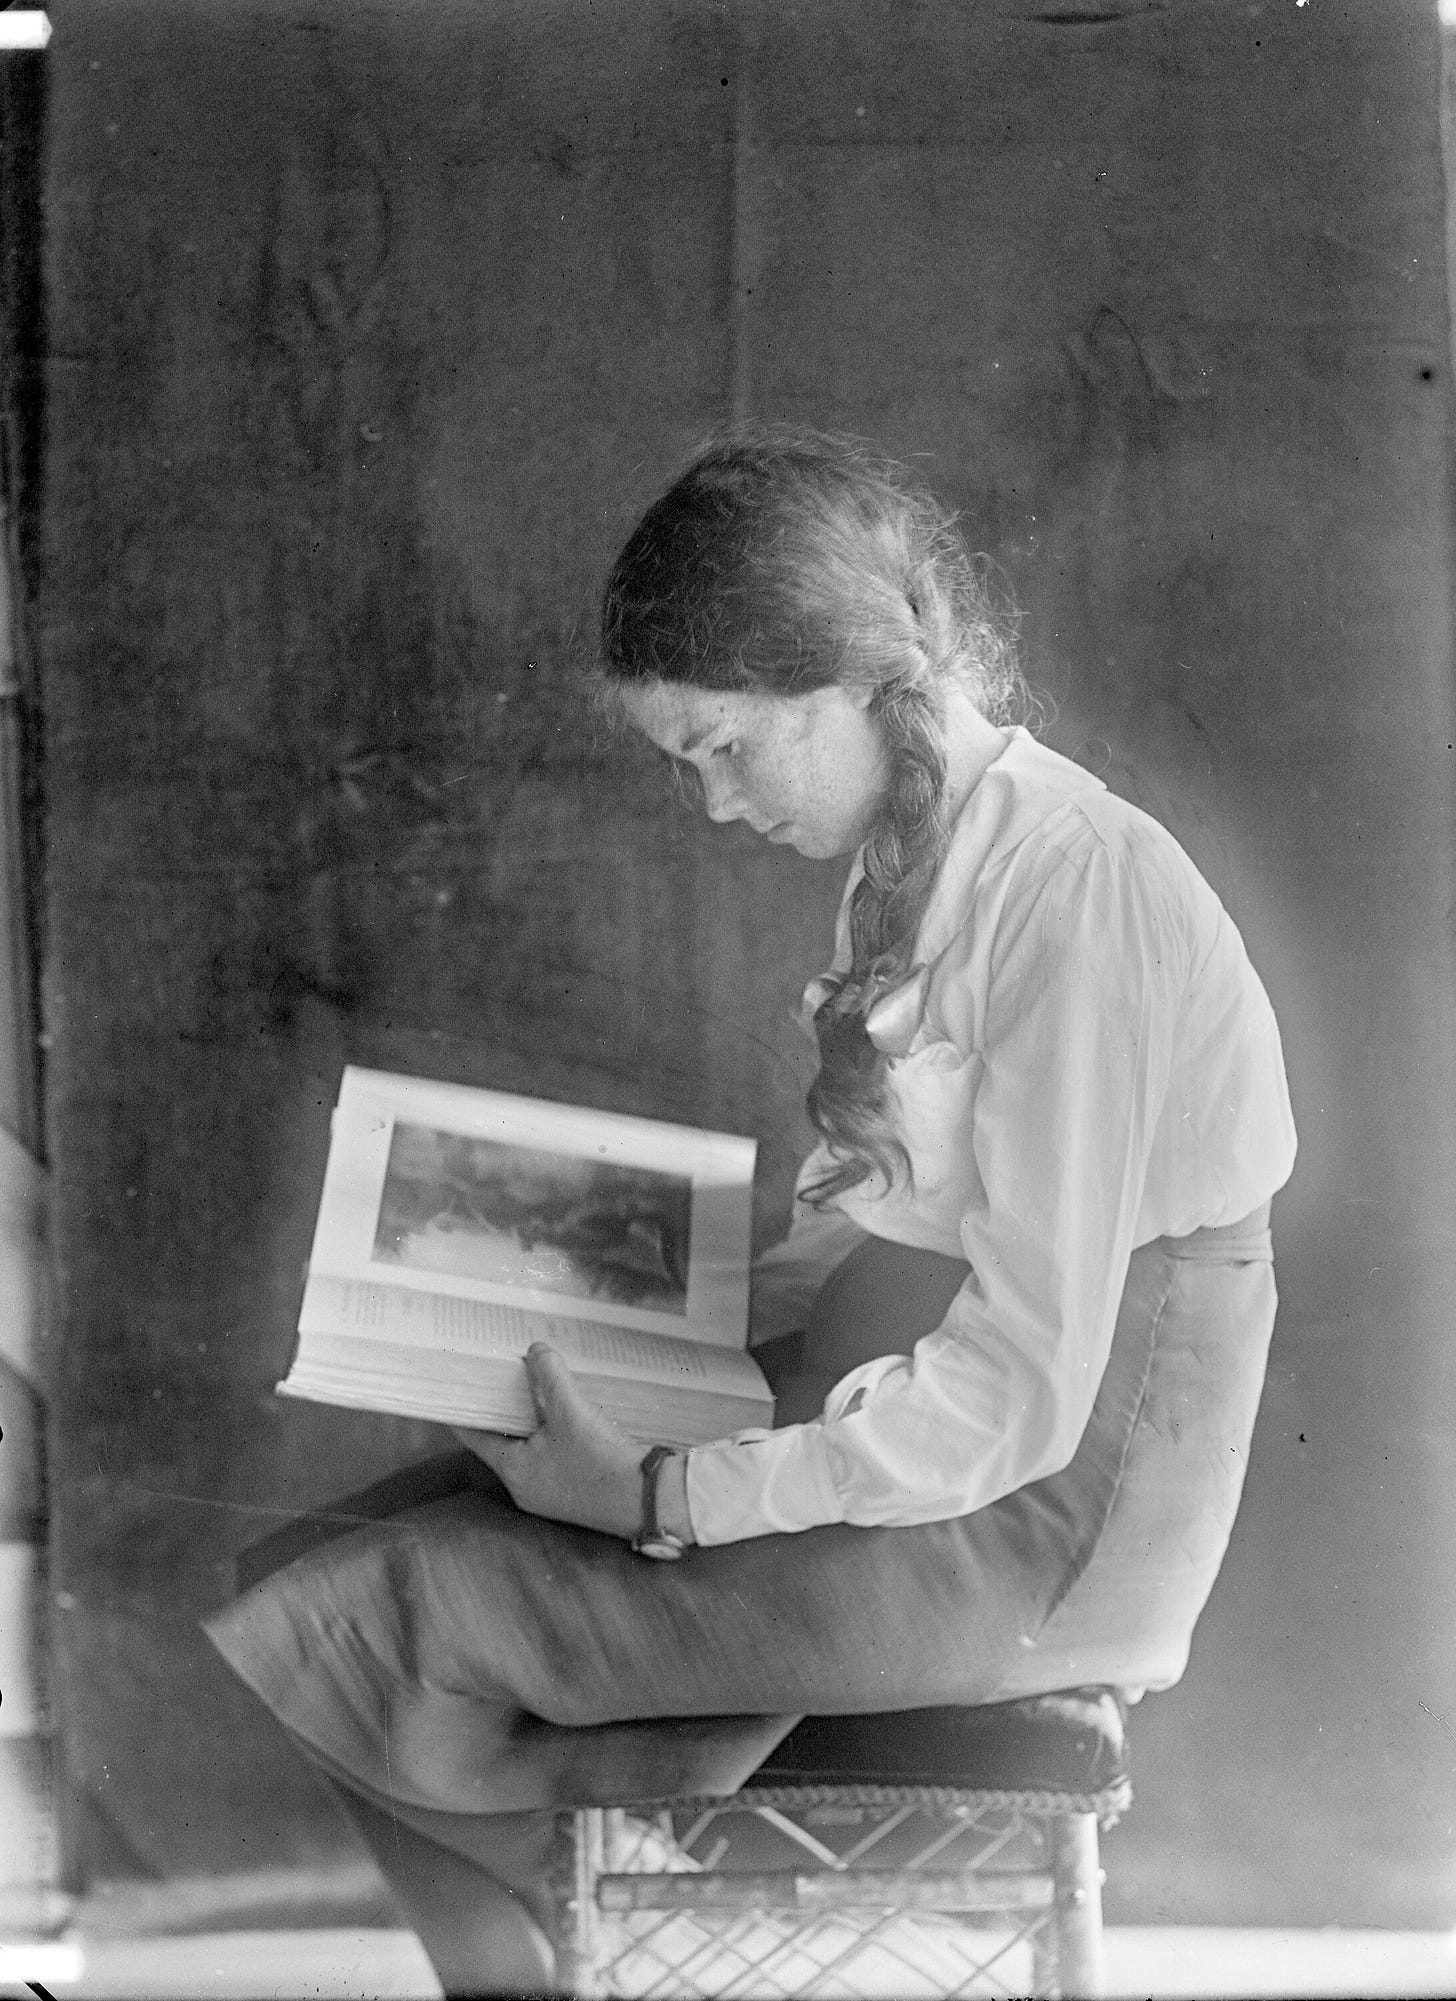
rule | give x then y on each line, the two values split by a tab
1018	1326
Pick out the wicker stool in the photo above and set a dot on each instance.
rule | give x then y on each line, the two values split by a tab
929	1852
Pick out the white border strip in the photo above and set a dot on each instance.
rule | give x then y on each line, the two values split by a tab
24	28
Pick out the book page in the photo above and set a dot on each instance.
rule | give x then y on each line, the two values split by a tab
491	1393
580	1215
445	1324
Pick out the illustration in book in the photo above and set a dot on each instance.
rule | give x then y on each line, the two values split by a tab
458	1225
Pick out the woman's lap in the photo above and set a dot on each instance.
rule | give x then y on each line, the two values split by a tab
464	1659
465	1656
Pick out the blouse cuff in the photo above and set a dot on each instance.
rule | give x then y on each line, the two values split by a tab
761	1483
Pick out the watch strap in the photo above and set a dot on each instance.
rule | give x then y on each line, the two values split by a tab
652	1539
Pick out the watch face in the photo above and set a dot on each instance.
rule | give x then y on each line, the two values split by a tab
664	1546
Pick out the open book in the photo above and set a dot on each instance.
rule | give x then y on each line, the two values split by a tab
457	1226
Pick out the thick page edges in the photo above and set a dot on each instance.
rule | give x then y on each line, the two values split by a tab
458	1361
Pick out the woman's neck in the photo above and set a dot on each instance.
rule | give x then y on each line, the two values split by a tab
971	746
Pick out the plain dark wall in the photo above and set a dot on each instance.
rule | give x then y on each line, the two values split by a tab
371	329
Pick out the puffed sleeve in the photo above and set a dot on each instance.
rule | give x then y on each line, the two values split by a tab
1074	1034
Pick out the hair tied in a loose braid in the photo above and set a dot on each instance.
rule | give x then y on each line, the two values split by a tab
784	561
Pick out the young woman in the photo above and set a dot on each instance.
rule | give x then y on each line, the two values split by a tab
1018	1326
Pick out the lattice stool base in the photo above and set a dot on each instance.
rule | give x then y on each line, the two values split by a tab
938	1852
846	1891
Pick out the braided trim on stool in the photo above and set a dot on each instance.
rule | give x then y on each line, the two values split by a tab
1109	1804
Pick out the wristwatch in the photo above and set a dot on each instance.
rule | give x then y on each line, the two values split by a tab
652	1539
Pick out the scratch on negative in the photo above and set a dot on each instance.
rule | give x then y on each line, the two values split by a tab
389	1782
245	1507
1437	1719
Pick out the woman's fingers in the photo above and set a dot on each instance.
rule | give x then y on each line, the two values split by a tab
575	1466
558	1404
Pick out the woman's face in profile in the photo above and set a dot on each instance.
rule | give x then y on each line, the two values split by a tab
806	771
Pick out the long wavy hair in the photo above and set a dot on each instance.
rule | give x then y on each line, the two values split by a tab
785	561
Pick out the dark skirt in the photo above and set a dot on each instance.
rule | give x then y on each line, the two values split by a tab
439	1651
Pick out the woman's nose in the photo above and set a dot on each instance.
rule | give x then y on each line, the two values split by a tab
722	800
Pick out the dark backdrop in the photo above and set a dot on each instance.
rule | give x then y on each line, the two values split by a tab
370	330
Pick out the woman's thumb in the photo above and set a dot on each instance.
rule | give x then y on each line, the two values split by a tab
550	1381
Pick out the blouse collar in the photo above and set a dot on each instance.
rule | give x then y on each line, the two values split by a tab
1018	791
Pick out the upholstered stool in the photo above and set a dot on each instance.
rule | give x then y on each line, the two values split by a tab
933	1851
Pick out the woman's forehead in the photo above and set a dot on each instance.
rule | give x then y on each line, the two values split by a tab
677	717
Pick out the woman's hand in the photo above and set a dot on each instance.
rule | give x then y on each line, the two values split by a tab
577	1466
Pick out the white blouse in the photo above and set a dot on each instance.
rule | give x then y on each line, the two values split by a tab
1086	1061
